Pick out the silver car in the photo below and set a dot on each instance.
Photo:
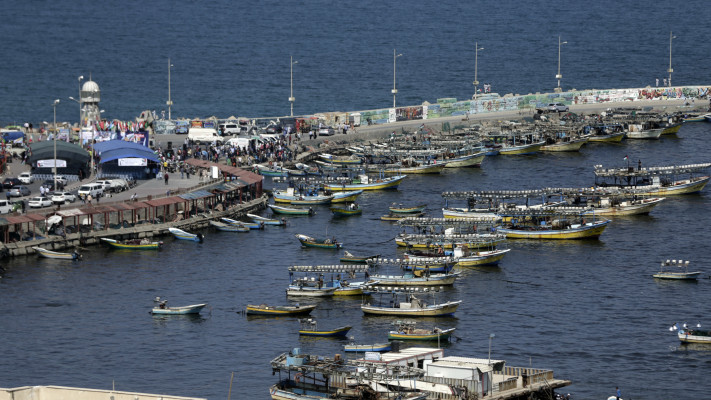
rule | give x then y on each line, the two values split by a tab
63	197
19	191
38	202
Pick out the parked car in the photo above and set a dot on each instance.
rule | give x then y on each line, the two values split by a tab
63	197
40	201
5	207
19	191
62	179
114	185
26	178
49	185
10	182
326	131
558	107
94	189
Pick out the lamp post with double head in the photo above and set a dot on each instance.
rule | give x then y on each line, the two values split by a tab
477	49
558	75
54	139
169	103
394	91
670	70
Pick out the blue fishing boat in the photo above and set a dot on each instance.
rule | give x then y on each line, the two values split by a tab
181	234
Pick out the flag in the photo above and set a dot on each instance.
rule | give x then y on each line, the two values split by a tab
626	158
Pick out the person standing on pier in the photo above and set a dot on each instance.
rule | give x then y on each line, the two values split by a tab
618	393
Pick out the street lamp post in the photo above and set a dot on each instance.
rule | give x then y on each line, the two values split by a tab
670	70
559	76
81	77
54	139
491	336
169	102
394	91
476	67
291	91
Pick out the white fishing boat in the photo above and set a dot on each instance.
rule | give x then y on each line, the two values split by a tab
640	131
676	270
183	235
56	255
163	309
690	335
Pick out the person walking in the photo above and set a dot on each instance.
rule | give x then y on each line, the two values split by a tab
165	177
618	393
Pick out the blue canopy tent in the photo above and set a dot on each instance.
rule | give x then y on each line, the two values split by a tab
111	151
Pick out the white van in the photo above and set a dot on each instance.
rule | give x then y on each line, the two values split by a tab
241	142
230	128
5	207
93	189
204	135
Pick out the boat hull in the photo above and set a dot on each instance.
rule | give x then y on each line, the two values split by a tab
472	160
407	210
686	336
345	197
192	309
379	184
442	335
673	129
342	331
55	255
118	245
686	187
383	280
484	258
360	348
678	276
566	146
344	212
399	170
432	311
643	207
519	150
646	134
310	291
278	310
589	231
290	211
613	137
182	235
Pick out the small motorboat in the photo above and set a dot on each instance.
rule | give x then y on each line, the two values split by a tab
181	234
267	221
689	335
290	210
133	244
309	327
250	225
349	258
681	274
308	241
56	255
406	330
402	209
264	309
352	209
397	217
221	226
361	348
163	309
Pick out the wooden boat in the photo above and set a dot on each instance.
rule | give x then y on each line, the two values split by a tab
608	137
361	348
397	217
627	207
349	258
309	291
364	182
656	180
520	149
312	200
352	160
666	271
459	212
266	221
309	327
163	309
270	171
182	235
688	335
412	306
308	241
569	145
310	170
401	209
399	169
406	330
448	242
467	258
470	160
672	129
308	198
340	275
352	209
583	230
56	255
346	197
290	211
696	118
221	226
263	309
418	278
133	244
638	131
250	225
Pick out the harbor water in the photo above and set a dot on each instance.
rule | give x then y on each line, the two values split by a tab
590	310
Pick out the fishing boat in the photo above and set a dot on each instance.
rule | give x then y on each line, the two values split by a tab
346	197
163	309
351	160
449	241
406	330
521	149
221	226
565	144
290	210
629	206
270	171
339	277
682	273
263	309
689	335
309	327
697	118
537	224
310	170
656	180
181	234
402	209
250	225
56	255
307	197
469	160
365	182
308	241
349	258
416	278
642	131
361	348
462	256
413	167
462	212
607	137
133	244
408	304
351	209
397	217
267	221
309	291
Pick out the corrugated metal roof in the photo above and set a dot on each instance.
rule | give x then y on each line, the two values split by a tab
198	194
165	201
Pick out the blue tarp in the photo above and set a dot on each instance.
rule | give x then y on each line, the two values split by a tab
117	144
10	136
115	154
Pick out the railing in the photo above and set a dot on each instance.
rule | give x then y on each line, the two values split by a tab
529	375
511	383
44	177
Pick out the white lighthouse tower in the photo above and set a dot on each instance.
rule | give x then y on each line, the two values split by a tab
90	97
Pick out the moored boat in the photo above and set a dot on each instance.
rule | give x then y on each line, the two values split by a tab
396	217
56	255
183	235
521	149
352	209
349	258
402	209
406	330
346	197
682	273
266	221
296	198
221	226
418	278
689	335
308	241
290	210
309	327
263	309
163	309
361	348
561	231
133	244
565	145
411	306
366	183
470	160
351	160
249	225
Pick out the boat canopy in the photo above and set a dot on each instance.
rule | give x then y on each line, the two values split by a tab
330	268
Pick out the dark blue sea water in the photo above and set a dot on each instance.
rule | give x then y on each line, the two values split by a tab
232	58
589	310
